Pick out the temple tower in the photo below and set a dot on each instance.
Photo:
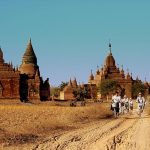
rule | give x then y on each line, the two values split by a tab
30	75
29	62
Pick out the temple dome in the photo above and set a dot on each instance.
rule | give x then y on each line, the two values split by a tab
29	61
110	61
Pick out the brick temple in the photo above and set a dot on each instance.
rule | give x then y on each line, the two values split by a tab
9	79
67	93
25	82
110	71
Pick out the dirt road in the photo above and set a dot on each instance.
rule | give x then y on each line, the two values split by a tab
128	132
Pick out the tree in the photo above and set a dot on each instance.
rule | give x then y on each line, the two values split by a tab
138	87
55	91
80	93
63	85
107	86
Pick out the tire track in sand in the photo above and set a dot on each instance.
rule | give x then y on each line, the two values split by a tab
136	137
85	137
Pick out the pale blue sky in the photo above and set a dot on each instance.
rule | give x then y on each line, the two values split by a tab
70	37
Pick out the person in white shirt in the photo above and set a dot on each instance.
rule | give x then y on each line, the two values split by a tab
141	103
116	99
123	104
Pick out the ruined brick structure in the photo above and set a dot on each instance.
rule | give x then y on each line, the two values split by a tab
111	71
67	93
9	79
24	83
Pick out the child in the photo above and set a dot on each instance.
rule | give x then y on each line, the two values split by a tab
131	104
126	104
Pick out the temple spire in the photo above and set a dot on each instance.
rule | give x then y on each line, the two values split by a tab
1	56
70	82
91	72
97	72
29	61
30	41
74	83
1	52
29	55
91	76
110	47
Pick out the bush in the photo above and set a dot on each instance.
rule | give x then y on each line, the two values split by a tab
138	87
107	86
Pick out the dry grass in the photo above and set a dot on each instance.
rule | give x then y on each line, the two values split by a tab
21	124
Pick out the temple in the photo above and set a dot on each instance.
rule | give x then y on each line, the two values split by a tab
110	71
9	79
67	93
24	83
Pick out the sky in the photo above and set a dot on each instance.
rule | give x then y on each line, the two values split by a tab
71	37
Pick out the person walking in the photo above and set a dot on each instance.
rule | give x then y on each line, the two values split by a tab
126	104
141	104
116	99
131	104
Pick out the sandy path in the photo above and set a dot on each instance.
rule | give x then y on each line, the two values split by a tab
127	132
141	136
135	136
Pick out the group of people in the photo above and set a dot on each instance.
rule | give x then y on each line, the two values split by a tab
124	105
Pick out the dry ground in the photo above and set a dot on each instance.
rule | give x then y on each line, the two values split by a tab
45	127
25	125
